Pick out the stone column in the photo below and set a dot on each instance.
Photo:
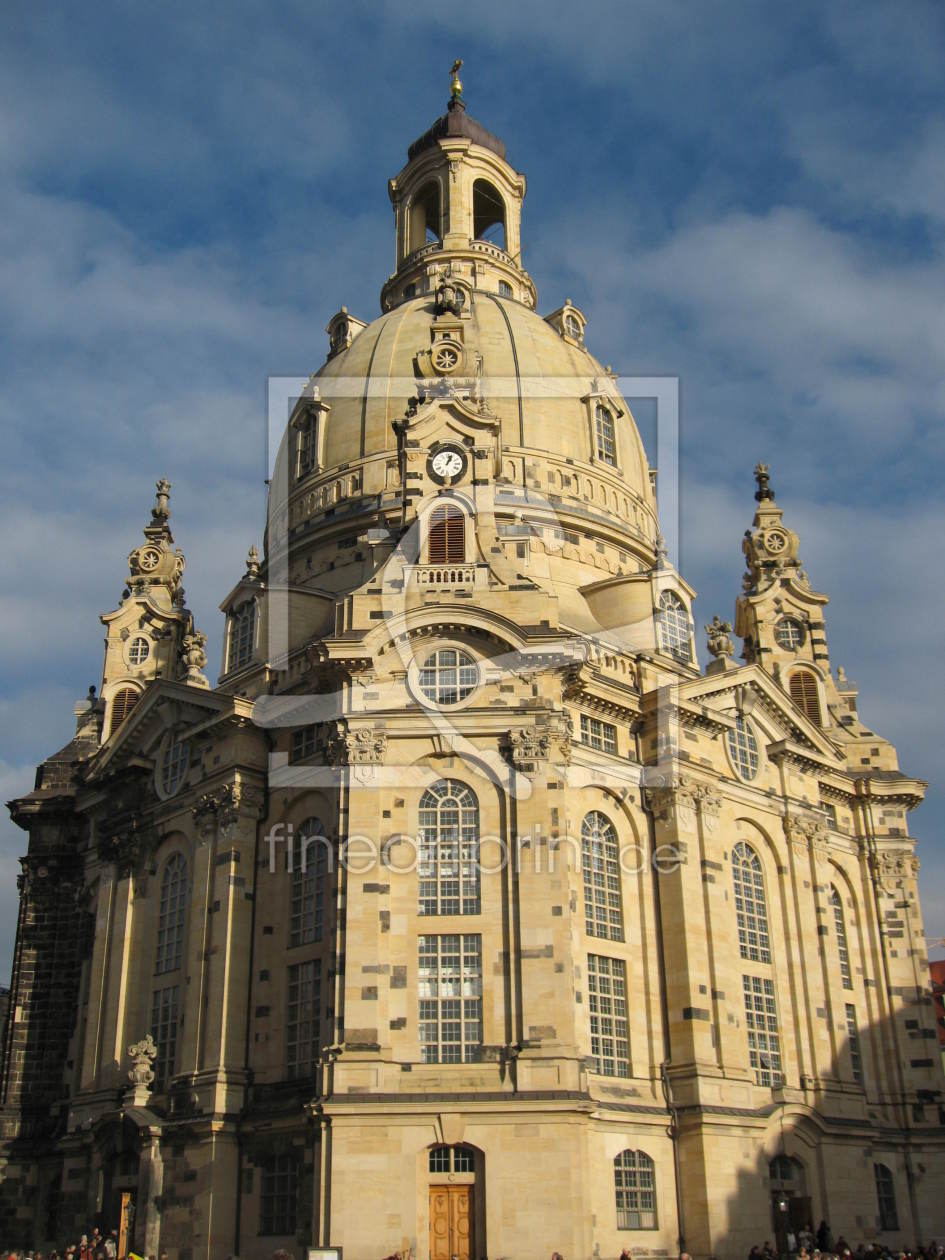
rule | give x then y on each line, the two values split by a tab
147	1229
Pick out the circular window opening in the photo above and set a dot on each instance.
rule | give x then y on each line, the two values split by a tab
448	676
743	749
789	633
572	326
139	650
174	764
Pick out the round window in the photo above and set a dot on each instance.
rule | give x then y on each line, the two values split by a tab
743	749
446	357
573	326
139	649
174	762
448	676
789	633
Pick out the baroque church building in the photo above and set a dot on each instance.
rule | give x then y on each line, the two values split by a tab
466	916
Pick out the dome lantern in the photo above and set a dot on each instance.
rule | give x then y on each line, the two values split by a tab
457	203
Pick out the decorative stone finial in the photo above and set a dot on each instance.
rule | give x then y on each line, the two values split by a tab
456	87
762	476
252	562
194	657
142	1054
160	512
719	633
662	551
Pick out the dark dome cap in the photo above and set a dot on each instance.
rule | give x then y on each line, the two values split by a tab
453	124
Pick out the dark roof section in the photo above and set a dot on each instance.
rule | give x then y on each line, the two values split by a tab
455	122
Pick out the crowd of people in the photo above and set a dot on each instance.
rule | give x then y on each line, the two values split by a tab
806	1244
820	1244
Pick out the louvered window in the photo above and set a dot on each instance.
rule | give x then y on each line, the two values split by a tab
447	540
804	694
122	704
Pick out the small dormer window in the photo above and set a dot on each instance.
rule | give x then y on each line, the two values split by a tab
572	326
242	636
606	435
674	628
307	443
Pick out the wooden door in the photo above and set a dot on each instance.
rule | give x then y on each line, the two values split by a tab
451	1222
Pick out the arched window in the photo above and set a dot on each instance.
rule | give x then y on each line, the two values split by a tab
673	623
488	213
606	434
446	541
448	676
751	914
171	915
600	859
843	951
425	216
242	635
174	762
743	748
886	1198
635	1188
803	686
122	704
309	865
449	850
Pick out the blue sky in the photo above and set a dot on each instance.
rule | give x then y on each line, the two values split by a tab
750	197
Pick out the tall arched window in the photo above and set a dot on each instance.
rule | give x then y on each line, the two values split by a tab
803	688
488	213
242	638
843	952
449	849
635	1188
600	860
446	541
309	866
171	915
673	624
751	913
122	704
886	1198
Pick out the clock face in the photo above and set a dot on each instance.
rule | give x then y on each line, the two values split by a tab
448	463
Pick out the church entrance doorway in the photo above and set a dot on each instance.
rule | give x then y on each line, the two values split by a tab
451	1222
790	1202
452	1195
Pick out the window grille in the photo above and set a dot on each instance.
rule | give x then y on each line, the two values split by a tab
635	1186
761	1018
600	860
597	734
607	1006
450	998
171	915
302	1024
448	844
751	912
